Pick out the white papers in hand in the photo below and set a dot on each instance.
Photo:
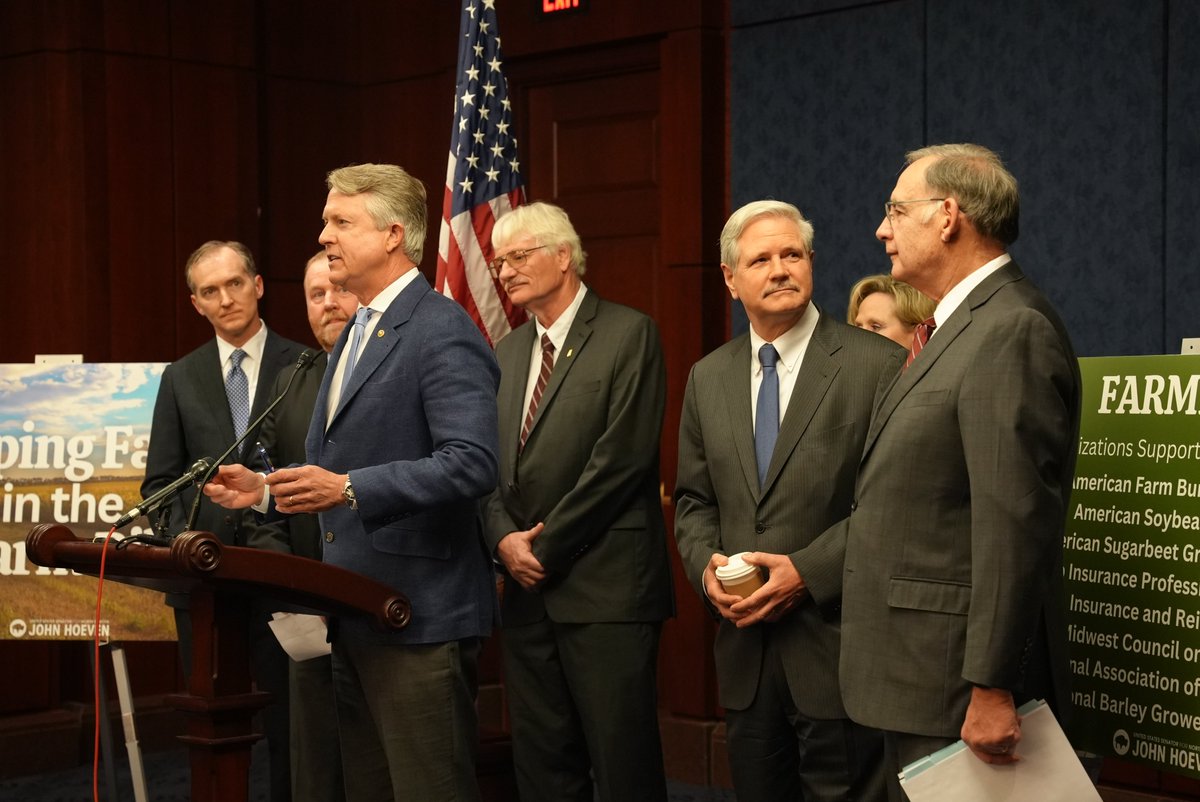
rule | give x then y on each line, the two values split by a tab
1048	770
303	637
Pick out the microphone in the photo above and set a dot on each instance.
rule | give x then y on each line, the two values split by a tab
163	496
303	363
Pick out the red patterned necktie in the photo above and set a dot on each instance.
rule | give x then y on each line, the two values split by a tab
921	335
539	388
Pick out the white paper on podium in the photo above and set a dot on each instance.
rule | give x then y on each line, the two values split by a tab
1048	771
303	637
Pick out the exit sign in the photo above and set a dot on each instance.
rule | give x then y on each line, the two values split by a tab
557	8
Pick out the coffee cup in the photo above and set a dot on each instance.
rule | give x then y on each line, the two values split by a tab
738	577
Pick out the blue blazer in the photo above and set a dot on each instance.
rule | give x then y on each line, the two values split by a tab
416	431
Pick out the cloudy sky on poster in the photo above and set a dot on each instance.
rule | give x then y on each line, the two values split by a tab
111	403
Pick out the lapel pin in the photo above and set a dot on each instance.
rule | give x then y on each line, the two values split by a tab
379	333
570	351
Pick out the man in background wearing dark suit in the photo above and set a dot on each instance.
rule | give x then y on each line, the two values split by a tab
951	581
577	523
205	401
769	440
401	449
315	749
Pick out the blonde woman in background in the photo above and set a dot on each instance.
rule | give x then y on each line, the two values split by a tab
889	307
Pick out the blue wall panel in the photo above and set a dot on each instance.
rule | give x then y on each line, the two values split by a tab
1094	104
1072	99
1182	214
818	106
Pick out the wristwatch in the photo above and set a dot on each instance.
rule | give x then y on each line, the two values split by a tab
348	494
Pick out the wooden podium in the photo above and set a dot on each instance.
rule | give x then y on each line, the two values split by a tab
221	580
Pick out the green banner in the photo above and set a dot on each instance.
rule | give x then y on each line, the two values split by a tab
1132	562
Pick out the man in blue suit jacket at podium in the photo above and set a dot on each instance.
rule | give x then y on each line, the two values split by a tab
402	446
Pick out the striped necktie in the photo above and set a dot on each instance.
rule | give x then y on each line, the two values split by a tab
921	335
539	388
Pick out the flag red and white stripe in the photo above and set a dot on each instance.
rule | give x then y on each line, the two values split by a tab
483	179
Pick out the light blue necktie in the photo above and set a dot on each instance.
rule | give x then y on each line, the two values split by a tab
766	418
237	390
360	327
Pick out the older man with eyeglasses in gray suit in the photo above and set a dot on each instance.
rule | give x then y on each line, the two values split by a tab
951	579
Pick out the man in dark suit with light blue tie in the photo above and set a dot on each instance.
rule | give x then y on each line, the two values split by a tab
205	401
577	523
769	439
401	448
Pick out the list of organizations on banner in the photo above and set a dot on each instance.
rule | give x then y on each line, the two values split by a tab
1132	562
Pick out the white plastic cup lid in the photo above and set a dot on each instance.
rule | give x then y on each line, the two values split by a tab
736	569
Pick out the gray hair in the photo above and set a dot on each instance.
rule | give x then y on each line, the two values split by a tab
984	188
546	223
740	220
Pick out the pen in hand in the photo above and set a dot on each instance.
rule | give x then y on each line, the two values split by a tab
265	457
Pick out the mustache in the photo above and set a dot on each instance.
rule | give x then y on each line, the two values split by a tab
787	285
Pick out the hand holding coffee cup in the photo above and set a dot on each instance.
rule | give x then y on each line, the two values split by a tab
738	577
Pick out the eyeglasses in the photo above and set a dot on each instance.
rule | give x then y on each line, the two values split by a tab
515	258
890	206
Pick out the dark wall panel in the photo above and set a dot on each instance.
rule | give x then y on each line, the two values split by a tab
215	144
820	106
751	12
1093	105
140	240
43	225
1182	213
1073	102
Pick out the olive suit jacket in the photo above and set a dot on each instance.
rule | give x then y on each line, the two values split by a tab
952	572
721	508
589	470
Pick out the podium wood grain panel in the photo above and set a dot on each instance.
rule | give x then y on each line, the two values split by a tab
221	580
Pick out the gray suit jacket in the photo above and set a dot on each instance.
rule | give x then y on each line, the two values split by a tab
953	553
589	470
721	508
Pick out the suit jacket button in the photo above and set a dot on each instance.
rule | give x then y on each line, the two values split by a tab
512	487
329	537
759	528
854	505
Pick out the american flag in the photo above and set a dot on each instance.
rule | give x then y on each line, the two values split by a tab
483	178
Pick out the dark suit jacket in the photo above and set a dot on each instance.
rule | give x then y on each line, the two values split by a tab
809	486
282	434
191	420
953	553
416	431
589	470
